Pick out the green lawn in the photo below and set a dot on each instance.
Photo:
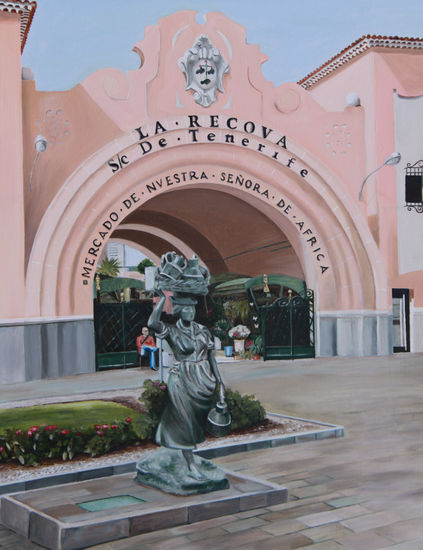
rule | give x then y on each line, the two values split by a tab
65	415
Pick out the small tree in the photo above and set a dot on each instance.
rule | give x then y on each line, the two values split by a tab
109	268
146	262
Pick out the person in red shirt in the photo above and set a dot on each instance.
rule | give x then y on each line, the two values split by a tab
145	343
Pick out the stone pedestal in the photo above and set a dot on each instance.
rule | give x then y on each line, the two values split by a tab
83	514
166	469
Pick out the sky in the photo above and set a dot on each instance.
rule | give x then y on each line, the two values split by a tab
70	39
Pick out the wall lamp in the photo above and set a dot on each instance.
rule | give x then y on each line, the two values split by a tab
40	145
390	161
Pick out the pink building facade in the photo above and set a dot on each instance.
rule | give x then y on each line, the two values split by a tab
196	151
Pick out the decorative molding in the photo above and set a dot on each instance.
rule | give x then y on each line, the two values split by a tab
338	139
203	67
26	9
355	49
54	126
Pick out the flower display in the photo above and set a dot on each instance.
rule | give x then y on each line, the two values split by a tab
240	332
32	446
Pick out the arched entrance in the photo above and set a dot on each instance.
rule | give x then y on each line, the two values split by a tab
248	176
225	231
325	239
229	235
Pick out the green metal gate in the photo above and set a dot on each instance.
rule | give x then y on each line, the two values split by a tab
287	327
116	329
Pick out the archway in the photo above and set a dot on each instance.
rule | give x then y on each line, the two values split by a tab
335	250
225	231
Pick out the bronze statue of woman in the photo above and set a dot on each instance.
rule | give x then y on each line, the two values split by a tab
191	385
192	379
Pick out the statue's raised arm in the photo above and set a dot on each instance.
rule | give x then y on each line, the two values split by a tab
154	321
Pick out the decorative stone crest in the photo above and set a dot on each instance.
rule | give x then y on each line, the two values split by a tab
203	67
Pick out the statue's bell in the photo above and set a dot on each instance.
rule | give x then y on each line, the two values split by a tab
219	420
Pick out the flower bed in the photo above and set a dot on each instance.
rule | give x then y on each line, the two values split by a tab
32	446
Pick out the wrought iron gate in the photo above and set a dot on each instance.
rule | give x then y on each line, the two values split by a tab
288	327
116	329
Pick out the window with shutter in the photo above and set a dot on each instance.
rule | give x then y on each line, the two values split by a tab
414	186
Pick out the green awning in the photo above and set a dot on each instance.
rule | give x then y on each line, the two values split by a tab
282	280
236	286
225	277
120	283
241	285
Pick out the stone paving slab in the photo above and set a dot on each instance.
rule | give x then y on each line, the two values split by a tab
54	518
377	467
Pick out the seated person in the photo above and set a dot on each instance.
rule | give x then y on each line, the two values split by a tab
145	343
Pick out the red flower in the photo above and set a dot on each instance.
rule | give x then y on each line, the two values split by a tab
105	426
18	432
29	433
1	449
54	427
128	419
162	387
78	433
156	384
113	427
96	426
100	433
64	432
34	429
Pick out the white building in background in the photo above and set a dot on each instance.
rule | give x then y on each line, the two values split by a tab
125	255
116	251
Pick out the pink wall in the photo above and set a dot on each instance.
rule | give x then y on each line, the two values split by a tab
11	188
310	156
375	76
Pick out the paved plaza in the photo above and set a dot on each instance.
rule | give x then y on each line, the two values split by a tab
362	492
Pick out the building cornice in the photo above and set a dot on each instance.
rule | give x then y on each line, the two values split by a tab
26	9
355	49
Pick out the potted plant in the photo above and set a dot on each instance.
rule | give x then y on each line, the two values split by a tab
239	334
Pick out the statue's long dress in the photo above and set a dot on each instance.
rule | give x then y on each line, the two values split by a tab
191	386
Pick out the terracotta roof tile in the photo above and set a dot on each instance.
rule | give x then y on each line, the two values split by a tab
355	49
26	9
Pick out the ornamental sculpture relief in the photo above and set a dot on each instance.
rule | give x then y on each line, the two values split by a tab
203	67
